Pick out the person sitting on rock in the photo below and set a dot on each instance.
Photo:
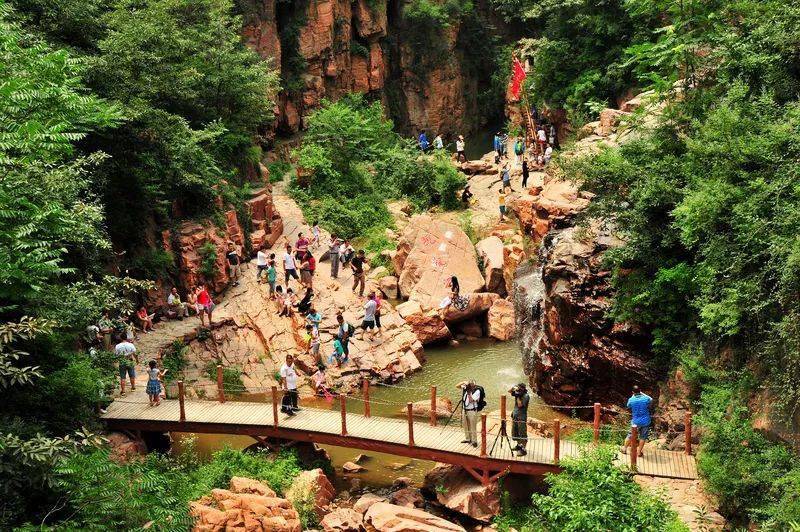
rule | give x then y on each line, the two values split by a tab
191	301
455	299
287	304
145	320
176	308
466	196
304	304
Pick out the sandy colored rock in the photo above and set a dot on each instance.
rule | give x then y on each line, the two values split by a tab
502	320
478	305
554	207
459	491
314	486
365	501
350	467
429	327
248	485
490	252
385	517
429	252
229	510
444	407
388	285
342	520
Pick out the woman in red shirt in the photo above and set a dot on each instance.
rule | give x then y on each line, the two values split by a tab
145	320
204	299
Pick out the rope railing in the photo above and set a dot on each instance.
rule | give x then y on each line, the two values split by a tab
274	395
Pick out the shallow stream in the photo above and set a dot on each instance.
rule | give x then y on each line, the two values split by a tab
496	366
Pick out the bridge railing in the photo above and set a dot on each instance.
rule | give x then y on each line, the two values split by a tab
276	399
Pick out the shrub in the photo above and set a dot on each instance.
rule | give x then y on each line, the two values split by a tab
594	494
208	260
748	473
174	361
232	383
278	472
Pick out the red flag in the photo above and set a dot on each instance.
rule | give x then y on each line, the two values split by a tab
518	75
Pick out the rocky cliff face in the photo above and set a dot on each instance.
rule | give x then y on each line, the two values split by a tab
576	354
582	356
328	48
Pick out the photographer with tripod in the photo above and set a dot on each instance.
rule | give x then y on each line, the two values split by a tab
473	398
519	417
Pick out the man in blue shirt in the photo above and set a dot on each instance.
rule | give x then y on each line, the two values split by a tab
639	405
423	141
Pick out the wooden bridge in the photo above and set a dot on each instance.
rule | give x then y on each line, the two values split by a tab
402	437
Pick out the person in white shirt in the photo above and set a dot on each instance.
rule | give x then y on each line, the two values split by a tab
460	155
126	353
289	385
438	143
289	265
471	396
262	260
175	305
548	154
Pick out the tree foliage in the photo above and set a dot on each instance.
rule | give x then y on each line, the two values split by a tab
592	493
356	162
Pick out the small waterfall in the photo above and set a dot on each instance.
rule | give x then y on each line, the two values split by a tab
528	297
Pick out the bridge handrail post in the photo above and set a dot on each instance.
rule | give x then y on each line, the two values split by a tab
365	388
433	406
343	406
483	435
596	425
220	387
181	400
688	432
275	406
556	441
410	415
634	447
503	408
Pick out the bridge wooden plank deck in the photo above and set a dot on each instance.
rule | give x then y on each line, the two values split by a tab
382	434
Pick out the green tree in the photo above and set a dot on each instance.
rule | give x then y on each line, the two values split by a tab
47	208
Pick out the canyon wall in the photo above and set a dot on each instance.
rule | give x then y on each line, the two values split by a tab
328	48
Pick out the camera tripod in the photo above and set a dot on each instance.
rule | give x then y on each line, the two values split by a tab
461	402
502	435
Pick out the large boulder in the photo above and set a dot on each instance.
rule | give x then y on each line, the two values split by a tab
459	491
490	251
385	517
365	501
478	305
256	508
554	207
429	327
444	407
388	285
501	320
342	520
312	487
408	497
429	252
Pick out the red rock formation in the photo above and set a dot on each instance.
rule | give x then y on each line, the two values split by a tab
314	486
583	356
552	207
501	319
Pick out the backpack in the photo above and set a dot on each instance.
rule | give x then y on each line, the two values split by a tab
481	398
